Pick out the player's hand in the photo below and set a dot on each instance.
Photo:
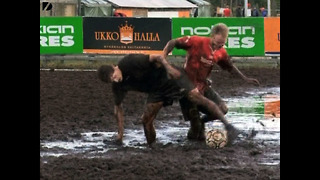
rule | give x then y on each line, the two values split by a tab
253	81
119	140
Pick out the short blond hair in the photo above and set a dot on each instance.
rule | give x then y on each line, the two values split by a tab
221	29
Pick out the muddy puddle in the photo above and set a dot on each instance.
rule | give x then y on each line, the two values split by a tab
258	113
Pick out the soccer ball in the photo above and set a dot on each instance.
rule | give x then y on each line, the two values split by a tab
216	138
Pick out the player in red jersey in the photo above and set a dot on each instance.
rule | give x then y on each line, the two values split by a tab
202	54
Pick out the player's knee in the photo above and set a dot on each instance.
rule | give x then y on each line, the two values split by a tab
194	96
145	118
224	108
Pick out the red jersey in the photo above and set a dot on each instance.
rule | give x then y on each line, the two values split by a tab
201	58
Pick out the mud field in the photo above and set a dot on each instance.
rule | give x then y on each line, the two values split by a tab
77	129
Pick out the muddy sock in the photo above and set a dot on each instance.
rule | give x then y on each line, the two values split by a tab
194	130
204	118
195	124
202	135
232	133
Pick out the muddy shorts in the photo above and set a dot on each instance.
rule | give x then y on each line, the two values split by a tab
171	90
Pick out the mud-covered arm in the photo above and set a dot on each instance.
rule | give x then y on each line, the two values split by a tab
118	113
118	109
179	43
161	61
169	47
234	71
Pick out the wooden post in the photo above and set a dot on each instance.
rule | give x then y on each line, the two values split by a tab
231	8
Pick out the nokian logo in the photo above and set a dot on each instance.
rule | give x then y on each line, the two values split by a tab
233	42
56	36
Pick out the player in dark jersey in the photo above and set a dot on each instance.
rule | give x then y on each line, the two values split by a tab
202	54
142	73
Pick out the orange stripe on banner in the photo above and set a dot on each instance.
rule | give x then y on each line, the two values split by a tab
272	106
115	51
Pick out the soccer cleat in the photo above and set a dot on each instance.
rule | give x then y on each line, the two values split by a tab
232	133
192	135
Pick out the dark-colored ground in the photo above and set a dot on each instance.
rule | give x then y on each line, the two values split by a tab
76	102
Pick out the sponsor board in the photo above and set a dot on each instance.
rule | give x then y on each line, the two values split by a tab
125	35
61	35
246	35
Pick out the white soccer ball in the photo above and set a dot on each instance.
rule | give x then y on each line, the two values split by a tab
216	138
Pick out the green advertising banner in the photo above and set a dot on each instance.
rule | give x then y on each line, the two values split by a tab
61	35
246	35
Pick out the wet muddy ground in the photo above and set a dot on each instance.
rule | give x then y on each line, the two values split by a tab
77	130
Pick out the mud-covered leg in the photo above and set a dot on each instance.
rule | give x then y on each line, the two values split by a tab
148	117
214	111
195	124
212	95
191	113
202	135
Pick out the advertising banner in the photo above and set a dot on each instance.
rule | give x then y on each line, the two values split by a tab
246	35
122	35
61	35
272	35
